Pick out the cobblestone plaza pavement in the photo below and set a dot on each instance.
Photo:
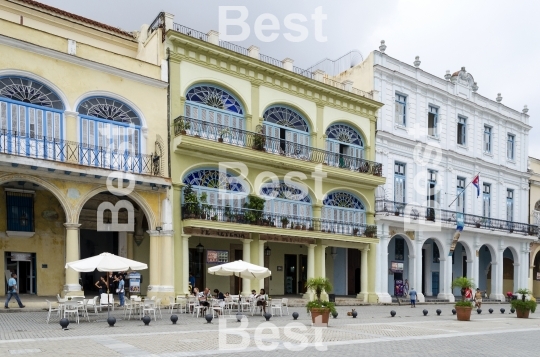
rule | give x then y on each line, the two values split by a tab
373	332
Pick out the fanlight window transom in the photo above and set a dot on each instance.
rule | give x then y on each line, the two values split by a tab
215	98
344	134
214	179
109	109
283	191
29	91
343	200
286	117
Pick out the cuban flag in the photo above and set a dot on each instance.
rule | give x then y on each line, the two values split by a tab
476	182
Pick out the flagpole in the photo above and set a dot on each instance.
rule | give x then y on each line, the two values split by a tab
464	189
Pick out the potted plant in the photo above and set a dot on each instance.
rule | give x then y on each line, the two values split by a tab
182	126
371	231
304	227
525	305
297	226
478	222
320	310
259	141
205	207
227	213
355	231
191	202
224	131
311	228
284	222
463	307
255	204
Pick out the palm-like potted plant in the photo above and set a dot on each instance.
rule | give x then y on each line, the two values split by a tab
320	309
463	307
284	222
371	231
525	305
182	125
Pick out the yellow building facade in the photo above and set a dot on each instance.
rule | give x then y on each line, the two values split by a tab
270	164
83	109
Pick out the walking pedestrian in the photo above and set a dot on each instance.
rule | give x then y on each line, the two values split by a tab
412	294
478	298
121	291
13	291
406	288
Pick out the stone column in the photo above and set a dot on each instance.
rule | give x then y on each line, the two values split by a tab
184	272
179	284
261	261
166	263
419	243
371	282
381	282
129	241
322	268
72	286
310	268
364	276
445	290
246	253
497	275
153	266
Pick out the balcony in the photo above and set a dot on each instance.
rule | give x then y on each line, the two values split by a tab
449	217
52	149
270	145
272	220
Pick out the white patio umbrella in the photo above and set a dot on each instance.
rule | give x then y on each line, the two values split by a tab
106	262
240	269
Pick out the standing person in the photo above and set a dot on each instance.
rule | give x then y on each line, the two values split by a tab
412	294
112	280
406	288
191	280
478	298
101	284
468	294
13	291
121	291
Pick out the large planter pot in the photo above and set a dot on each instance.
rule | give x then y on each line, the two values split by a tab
523	314
463	313
323	319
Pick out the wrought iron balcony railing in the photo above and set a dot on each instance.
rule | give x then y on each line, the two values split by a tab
216	132
416	212
46	148
261	218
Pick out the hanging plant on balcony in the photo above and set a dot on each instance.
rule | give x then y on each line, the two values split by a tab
223	132
371	231
255	206
182	126
259	140
191	202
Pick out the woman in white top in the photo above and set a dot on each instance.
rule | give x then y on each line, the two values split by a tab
261	300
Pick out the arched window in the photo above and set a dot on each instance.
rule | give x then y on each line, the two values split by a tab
221	189
31	118
287	200
215	105
288	132
346	144
343	212
109	130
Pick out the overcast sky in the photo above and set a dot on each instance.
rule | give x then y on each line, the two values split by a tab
497	41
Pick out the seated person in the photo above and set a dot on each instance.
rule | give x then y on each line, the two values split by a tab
219	295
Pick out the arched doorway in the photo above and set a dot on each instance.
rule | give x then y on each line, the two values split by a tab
97	237
486	271
433	268
461	265
289	131
34	245
536	274
400	264
347	144
510	272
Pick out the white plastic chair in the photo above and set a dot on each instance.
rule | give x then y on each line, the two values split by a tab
104	301
276	304
149	306
93	303
217	307
198	308
51	310
158	307
181	303
192	302
285	303
71	307
131	307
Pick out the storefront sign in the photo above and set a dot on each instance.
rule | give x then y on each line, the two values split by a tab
216	233
287	239
217	256
134	283
397	267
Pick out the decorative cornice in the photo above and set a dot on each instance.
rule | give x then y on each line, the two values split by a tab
26	46
255	65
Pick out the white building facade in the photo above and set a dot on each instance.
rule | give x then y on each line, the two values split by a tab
434	135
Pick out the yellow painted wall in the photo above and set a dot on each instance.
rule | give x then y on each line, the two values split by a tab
48	243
